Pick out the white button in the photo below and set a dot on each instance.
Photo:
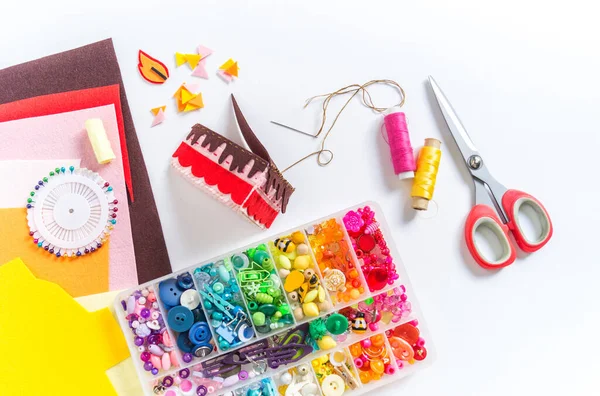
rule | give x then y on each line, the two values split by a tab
190	299
333	385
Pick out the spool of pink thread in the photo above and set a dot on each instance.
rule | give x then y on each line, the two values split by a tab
403	157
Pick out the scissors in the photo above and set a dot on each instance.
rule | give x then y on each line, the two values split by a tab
496	208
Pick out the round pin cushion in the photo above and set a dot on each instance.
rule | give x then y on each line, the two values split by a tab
71	212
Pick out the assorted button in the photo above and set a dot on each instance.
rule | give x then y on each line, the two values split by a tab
185	317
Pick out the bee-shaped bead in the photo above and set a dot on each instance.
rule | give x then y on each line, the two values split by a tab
285	245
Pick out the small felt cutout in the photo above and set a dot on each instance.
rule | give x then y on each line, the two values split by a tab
228	70
152	70
186	99
191	59
200	70
157	109
203	51
159	117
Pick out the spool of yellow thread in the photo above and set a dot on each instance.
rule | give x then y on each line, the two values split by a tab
99	140
427	168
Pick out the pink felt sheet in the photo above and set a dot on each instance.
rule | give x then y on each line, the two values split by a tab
63	135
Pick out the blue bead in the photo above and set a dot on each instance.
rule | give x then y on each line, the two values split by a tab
62	169
185	281
71	168
213	272
180	318
40	244
169	292
114	221
208	305
28	206
227	296
57	254
109	188
78	253
37	187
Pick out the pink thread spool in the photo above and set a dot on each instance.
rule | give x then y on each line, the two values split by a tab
403	157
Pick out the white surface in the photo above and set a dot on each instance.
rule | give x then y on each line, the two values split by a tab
523	76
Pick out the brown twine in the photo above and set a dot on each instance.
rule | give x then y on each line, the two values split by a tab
367	100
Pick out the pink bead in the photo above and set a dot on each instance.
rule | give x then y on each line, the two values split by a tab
156	362
151	297
173	358
373	327
420	342
399	363
390	370
366	343
166	361
414	322
403	288
404	297
358	362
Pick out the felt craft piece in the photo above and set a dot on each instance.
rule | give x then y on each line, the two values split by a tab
157	109
122	376
87	343
84	275
152	70
228	70
187	100
246	181
159	117
190	59
91	72
200	70
203	51
69	126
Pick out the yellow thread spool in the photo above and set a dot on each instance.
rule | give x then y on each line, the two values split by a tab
426	174
99	140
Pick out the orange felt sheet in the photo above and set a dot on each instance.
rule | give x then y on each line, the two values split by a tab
79	276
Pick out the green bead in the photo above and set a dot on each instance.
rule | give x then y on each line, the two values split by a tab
369	301
32	193
51	173
57	170
258	318
29	200
45	179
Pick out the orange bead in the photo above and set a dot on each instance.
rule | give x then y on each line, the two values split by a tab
377	340
354	294
355	350
353	274
355	283
377	366
365	377
361	290
348	285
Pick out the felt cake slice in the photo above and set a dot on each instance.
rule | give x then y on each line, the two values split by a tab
246	181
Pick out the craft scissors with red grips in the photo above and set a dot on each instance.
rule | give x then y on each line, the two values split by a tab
496	207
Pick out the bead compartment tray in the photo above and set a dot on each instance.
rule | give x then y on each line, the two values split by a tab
150	379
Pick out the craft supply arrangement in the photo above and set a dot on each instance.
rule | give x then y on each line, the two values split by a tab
325	308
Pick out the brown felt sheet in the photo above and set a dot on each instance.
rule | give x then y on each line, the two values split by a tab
91	66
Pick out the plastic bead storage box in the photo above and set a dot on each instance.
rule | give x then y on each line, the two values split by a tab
323	309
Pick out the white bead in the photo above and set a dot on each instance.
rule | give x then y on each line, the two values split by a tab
286	378
142	300
145	292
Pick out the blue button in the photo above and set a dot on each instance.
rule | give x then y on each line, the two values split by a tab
180	319
184	343
199	333
169	292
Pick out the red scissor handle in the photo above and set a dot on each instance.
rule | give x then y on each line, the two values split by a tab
512	202
483	216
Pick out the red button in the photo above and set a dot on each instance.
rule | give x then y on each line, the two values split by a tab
420	352
366	242
407	332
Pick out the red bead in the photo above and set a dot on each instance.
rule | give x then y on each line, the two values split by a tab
31	233
420	352
366	243
114	215
377	279
106	184
115	209
115	202
407	332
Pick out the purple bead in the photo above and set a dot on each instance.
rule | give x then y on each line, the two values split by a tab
154	339
148	366
28	206
124	305
86	250
99	245
145	312
78	253
51	250
41	183
46	247
57	254
184	373
145	356
37	187
93	249
187	357
139	341
154	371
201	390
167	381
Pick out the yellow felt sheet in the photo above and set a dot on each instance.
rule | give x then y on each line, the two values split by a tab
79	276
51	345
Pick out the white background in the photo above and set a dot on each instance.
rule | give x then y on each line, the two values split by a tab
522	75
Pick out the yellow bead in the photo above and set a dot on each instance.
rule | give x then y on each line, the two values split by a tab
354	294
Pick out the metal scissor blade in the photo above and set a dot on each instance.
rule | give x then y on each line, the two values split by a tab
459	133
